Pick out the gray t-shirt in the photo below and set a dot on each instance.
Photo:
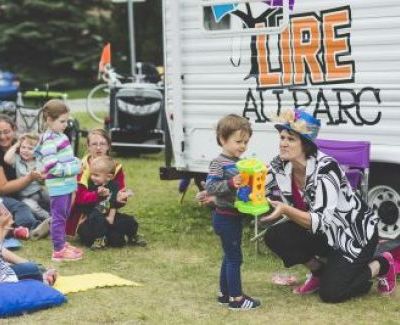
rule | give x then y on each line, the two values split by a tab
23	168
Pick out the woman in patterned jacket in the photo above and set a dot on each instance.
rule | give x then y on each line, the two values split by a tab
328	227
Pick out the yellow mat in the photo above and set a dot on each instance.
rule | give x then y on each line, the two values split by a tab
83	282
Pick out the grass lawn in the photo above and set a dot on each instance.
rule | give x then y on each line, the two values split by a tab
77	93
179	271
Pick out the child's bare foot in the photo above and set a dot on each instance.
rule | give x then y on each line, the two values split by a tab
50	276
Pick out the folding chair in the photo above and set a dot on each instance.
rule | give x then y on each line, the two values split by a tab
353	157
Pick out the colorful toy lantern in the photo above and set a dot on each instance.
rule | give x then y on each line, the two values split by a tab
250	197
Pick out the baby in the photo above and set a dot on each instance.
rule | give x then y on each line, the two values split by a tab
21	157
102	171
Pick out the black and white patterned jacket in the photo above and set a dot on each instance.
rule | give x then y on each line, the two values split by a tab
335	209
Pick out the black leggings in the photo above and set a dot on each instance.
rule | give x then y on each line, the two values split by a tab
122	231
340	279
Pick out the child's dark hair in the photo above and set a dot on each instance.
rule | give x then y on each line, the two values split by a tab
54	108
230	124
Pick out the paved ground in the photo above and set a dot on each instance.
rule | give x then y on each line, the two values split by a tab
79	105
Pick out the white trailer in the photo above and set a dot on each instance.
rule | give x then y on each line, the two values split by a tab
338	59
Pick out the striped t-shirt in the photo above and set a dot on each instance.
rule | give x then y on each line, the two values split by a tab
7	274
61	167
219	181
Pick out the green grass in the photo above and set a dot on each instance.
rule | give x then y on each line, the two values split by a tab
77	93
179	271
86	122
83	93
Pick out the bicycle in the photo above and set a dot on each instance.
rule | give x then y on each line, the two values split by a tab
99	95
28	118
134	107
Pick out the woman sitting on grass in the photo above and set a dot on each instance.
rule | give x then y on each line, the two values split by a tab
10	185
98	144
34	195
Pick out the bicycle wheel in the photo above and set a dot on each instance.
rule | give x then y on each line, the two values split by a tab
98	102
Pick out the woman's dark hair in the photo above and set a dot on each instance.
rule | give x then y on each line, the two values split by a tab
309	148
8	120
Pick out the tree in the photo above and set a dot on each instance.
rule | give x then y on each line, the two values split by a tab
56	42
148	34
59	42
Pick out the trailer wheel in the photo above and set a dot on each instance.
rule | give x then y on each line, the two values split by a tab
384	199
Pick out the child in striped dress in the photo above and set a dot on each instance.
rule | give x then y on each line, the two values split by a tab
60	168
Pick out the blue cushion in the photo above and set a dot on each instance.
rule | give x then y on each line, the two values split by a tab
24	296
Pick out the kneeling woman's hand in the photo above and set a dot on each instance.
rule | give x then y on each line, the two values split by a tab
279	210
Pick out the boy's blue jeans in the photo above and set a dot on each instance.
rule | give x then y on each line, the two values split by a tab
27	270
23	216
229	229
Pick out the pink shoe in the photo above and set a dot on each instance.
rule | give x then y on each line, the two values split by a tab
21	233
309	286
387	283
65	254
73	248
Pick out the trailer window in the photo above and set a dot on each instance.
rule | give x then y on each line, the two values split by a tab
221	17
211	24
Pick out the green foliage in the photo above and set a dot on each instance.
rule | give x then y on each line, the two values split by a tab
78	93
59	42
148	34
56	42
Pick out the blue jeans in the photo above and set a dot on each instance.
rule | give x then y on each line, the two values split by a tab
27	270
229	229
21	213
